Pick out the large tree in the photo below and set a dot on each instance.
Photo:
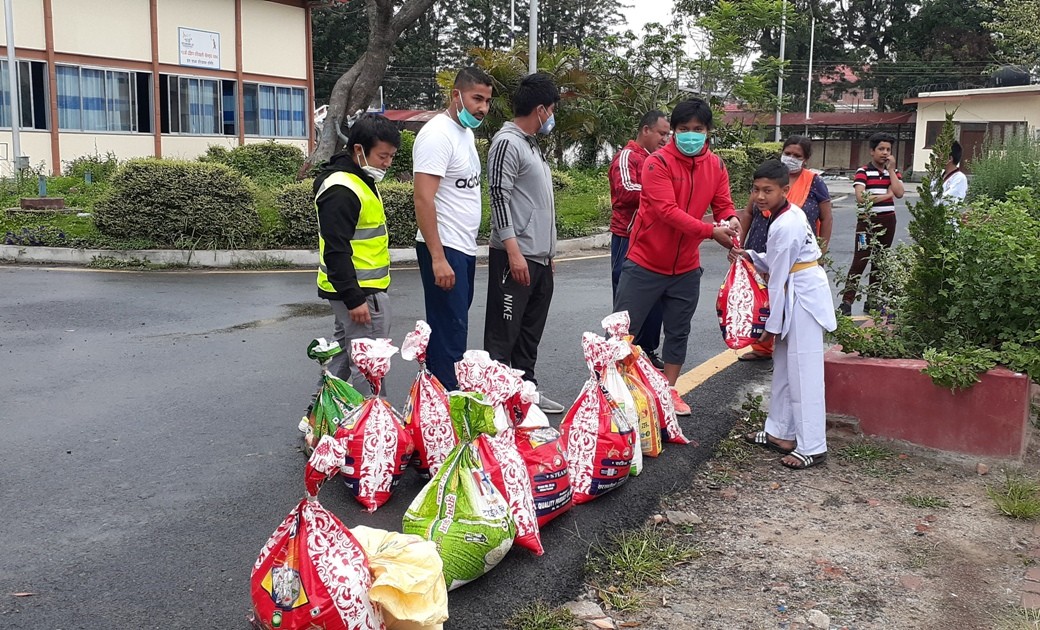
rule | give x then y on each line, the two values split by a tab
1014	22
355	88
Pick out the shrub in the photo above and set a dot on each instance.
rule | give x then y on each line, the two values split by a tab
76	191
178	204
762	151
267	163
100	167
740	170
1003	166
561	180
402	166
296	208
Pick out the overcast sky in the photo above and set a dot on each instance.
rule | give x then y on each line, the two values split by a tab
640	12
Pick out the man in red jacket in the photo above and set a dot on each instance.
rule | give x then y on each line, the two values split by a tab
626	175
680	182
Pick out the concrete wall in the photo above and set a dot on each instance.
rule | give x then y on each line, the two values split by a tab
975	109
78	24
35	144
217	16
274	39
28	19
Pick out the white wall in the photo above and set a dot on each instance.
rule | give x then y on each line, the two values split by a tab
28	22
217	16
976	109
35	144
120	29
274	39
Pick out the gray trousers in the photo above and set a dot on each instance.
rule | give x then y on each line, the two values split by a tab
341	365
639	289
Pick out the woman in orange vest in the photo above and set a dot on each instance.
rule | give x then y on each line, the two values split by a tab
808	192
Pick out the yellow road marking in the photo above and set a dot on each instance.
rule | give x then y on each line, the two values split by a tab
695	377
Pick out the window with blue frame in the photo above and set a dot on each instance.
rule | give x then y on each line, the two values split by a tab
97	99
274	111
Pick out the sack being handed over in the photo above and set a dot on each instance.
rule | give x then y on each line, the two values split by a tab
477	372
597	438
312	572
335	399
742	305
378	445
541	448
460	509
426	414
639	366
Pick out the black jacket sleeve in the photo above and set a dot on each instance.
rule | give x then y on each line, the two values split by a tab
339	210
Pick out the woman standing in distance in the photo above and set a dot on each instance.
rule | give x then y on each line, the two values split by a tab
808	192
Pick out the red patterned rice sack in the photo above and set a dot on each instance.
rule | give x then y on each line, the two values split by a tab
541	448
378	445
312	573
477	372
742	305
426	413
597	440
639	366
335	399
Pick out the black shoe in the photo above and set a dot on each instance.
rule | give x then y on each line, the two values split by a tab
845	308
655	360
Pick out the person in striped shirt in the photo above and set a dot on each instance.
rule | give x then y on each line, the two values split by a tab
880	183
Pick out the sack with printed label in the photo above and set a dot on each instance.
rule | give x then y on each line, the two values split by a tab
378	445
646	410
335	400
639	366
460	509
742	305
477	372
313	573
426	413
619	392
541	449
597	438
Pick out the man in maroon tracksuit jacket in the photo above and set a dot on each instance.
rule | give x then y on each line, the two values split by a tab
626	175
680	182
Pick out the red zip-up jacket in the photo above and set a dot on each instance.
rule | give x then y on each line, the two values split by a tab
625	175
670	224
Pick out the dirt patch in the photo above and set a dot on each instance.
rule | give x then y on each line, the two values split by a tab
881	536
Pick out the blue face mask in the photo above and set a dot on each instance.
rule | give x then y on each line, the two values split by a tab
548	125
466	119
690	142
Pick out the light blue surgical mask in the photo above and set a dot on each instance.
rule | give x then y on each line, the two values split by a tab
548	125
690	142
466	119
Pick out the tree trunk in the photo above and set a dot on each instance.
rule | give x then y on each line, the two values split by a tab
358	86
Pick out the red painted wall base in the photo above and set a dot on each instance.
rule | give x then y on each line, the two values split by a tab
893	399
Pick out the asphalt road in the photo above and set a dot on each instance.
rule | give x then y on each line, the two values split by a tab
150	443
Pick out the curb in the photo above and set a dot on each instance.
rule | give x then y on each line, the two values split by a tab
230	258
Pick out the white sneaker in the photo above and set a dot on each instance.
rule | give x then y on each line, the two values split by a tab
548	405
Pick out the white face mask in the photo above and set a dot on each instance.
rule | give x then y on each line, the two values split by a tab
377	174
792	163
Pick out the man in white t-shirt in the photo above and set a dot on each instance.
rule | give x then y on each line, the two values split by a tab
954	187
447	206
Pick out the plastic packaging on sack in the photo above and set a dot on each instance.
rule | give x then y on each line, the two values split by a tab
637	364
460	509
622	397
313	573
477	372
646	411
426	414
541	448
378	445
742	305
407	579
335	400
597	440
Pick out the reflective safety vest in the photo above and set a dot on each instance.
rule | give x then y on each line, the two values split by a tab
371	243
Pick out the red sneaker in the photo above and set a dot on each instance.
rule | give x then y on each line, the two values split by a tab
681	408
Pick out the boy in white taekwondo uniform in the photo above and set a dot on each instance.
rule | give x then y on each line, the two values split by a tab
801	309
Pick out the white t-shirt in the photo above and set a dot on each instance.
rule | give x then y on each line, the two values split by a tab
955	187
448	150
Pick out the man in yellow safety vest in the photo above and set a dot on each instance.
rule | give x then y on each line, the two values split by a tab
353	243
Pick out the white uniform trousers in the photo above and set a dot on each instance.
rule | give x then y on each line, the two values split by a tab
797	406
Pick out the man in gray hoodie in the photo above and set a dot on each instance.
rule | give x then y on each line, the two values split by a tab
523	232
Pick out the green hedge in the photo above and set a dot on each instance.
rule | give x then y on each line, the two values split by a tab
740	170
179	204
295	204
267	163
100	167
762	151
402	166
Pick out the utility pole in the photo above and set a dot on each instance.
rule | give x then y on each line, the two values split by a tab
512	23
780	78
808	78
532	42
12	86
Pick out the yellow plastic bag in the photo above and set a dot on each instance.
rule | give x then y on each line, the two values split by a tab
646	410
407	579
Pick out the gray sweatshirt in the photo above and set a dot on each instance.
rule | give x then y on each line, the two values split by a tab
522	202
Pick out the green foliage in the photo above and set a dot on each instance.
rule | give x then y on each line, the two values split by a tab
100	167
76	192
561	180
399	204
632	560
740	170
1018	497
402	165
267	163
295	204
541	616
1003	166
179	204
925	501
762	151
959	368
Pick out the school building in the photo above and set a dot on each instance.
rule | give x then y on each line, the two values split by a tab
980	115
163	78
